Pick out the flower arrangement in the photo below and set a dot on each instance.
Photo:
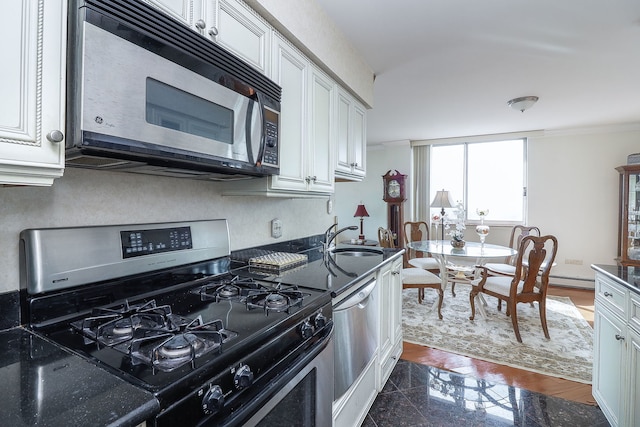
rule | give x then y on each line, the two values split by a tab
482	212
457	233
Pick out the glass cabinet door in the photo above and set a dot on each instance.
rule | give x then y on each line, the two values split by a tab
629	227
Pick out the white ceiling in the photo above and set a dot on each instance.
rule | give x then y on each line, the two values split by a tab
446	68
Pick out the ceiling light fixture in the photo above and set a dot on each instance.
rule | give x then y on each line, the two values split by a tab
522	103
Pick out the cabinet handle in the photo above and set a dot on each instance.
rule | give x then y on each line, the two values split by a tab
55	136
608	294
394	272
314	178
619	337
200	24
213	31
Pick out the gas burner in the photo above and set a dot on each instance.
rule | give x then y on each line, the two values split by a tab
113	326
227	289
168	351
275	299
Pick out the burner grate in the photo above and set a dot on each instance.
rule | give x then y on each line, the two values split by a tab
275	299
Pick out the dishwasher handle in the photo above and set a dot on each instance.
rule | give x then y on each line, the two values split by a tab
357	298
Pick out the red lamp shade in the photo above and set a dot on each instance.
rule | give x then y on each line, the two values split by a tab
361	211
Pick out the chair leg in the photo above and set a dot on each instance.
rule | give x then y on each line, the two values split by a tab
543	317
420	295
500	305
453	289
472	303
440	298
511	306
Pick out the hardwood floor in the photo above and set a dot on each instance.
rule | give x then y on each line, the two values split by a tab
570	390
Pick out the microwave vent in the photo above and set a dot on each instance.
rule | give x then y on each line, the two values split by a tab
95	162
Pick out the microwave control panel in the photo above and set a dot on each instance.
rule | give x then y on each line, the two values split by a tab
271	137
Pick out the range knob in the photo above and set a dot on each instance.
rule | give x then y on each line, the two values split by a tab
320	320
213	400
306	330
243	377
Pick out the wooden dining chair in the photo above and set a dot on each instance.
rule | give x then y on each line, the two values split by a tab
415	231
535	257
507	268
385	238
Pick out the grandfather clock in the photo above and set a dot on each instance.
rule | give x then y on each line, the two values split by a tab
394	194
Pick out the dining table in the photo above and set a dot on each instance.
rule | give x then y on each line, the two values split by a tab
458	265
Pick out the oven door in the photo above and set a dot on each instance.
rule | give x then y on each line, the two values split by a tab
133	100
304	397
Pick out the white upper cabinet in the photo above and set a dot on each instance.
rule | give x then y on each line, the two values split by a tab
351	137
188	12
237	28
32	84
320	145
290	71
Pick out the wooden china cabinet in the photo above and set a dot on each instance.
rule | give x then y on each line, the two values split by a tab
629	216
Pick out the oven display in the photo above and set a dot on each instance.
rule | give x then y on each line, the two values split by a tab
146	242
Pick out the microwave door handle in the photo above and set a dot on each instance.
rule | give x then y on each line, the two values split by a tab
259	146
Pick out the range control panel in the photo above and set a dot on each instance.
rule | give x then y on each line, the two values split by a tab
145	242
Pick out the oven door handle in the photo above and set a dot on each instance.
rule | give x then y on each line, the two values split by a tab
359	298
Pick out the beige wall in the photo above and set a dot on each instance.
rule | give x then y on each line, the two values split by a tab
572	188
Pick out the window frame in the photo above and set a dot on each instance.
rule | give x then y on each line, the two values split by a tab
465	181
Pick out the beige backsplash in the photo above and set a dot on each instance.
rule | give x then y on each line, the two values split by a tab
84	197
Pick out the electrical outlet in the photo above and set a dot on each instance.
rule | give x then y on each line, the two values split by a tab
329	206
276	228
573	261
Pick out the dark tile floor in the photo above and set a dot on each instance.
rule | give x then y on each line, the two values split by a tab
419	395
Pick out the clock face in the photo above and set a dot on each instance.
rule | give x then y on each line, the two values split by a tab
393	189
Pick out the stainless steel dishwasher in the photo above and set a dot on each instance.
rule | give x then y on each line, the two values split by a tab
354	317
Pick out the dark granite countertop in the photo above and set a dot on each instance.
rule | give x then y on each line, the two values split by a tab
336	275
626	276
45	385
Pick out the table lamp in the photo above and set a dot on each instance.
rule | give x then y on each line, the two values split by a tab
442	200
361	211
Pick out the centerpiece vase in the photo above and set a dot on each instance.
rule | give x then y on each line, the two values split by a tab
458	244
482	230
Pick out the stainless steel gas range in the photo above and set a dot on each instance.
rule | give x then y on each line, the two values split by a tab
159	306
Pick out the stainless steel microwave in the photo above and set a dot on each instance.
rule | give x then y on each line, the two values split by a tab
149	95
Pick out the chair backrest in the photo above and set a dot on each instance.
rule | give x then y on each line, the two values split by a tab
385	238
415	231
534	260
518	233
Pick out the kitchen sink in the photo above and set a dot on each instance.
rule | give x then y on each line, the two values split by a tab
357	251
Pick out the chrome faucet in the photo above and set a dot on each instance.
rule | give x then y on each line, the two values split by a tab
330	237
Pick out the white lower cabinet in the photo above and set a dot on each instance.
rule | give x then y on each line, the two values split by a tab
616	363
390	331
32	112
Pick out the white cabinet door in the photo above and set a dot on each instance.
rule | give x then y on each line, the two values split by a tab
237	28
320	144
32	84
609	363
188	12
633	410
290	72
351	137
390	326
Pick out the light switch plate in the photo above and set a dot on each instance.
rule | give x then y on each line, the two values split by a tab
276	228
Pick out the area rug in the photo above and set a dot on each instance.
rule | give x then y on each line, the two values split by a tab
568	354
